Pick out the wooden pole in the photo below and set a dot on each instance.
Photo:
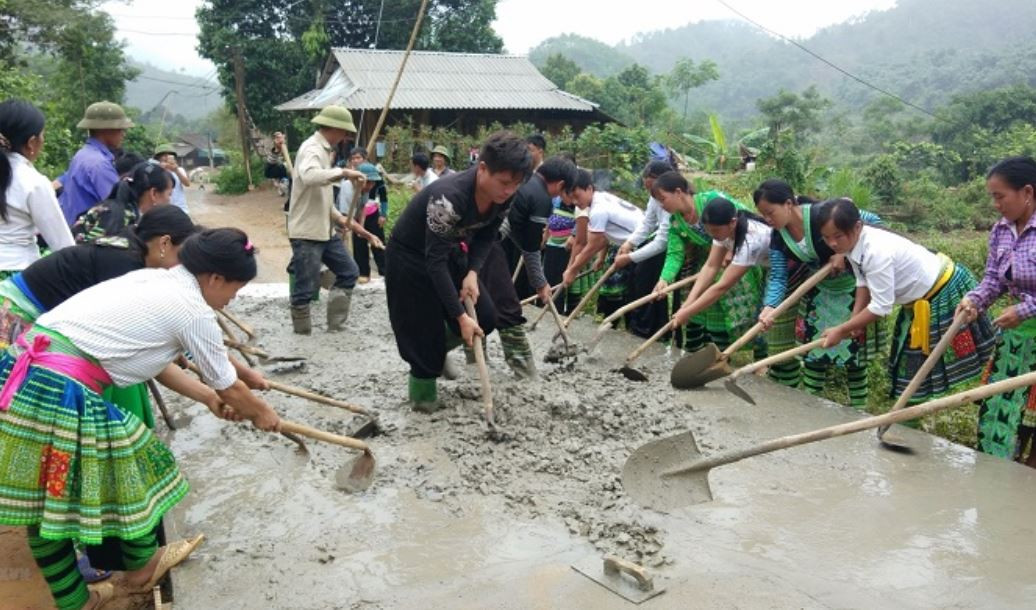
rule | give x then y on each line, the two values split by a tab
239	93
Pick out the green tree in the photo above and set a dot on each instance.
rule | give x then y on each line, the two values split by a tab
790	111
685	76
560	70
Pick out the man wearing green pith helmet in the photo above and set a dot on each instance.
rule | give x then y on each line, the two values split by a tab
313	220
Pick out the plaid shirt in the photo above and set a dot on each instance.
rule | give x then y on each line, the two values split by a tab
1010	267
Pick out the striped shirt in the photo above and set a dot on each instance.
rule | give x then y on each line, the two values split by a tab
137	324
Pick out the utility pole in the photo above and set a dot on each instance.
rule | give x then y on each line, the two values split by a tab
239	93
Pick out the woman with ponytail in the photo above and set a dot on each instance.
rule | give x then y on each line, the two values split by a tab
27	202
690	244
147	185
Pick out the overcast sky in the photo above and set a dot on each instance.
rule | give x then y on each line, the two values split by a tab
163	33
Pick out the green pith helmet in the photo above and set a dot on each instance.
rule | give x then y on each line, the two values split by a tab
370	171
336	117
442	150
162	149
104	115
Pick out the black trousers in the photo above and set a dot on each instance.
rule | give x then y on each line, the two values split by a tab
495	275
306	257
647	319
362	249
419	320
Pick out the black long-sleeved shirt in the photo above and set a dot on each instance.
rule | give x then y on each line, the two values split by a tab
437	221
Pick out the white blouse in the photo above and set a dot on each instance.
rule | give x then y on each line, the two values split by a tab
894	269
32	208
755	250
137	324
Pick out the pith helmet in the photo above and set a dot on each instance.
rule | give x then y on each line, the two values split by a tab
105	115
442	150
370	171
337	117
162	149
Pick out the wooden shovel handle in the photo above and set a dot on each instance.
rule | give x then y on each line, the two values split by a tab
247	349
561	323
615	315
248	330
518	269
321	435
781	357
480	360
933	406
643	346
933	358
785	305
302	393
589	295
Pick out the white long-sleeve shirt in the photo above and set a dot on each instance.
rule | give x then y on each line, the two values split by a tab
655	219
31	207
895	270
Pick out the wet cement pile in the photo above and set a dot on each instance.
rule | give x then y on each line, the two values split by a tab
568	432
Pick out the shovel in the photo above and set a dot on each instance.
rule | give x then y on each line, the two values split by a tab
689	371
670	473
731	383
589	295
891	441
352	477
627	369
495	433
615	315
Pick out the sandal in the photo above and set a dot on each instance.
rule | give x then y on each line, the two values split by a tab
172	555
105	592
90	573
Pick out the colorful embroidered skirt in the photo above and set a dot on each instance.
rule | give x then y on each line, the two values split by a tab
1000	416
17	312
78	467
830	304
964	360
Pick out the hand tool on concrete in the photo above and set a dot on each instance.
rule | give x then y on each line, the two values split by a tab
263	356
615	315
622	577
890	441
153	387
495	433
731	382
627	369
669	473
228	335
689	371
370	428
352	477
554	289
590	294
568	349
238	322
543	312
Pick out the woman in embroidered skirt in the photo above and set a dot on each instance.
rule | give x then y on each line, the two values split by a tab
1007	422
797	251
891	270
727	318
74	467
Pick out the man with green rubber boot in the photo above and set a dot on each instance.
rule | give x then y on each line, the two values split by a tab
313	220
435	253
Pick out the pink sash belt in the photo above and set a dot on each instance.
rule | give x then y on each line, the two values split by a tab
88	373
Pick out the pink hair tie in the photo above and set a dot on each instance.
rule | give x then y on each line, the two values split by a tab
249	246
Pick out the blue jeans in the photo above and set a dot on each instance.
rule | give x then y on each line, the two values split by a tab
306	256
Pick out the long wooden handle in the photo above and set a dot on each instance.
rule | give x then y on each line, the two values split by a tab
781	357
321	435
480	360
785	305
590	293
939	404
287	157
518	269
248	330
561	323
933	358
554	290
643	346
644	300
247	349
296	391
553	293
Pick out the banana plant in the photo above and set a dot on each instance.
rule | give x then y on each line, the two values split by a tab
715	152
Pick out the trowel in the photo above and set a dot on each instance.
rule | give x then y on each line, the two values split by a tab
622	577
669	473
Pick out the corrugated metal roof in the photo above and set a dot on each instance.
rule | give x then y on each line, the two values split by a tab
436	80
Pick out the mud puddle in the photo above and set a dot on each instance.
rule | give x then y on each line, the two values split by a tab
455	520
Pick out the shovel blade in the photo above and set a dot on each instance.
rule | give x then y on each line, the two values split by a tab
732	387
357	475
642	474
693	371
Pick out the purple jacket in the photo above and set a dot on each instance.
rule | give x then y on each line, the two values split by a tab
1014	255
89	179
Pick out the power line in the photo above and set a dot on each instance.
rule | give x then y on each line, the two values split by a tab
180	84
825	61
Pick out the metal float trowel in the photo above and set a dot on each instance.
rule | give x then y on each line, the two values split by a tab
624	578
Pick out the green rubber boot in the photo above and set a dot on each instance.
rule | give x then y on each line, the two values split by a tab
424	394
517	352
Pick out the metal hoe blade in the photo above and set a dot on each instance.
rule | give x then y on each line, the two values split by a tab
632	374
732	387
642	474
357	475
687	370
687	379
